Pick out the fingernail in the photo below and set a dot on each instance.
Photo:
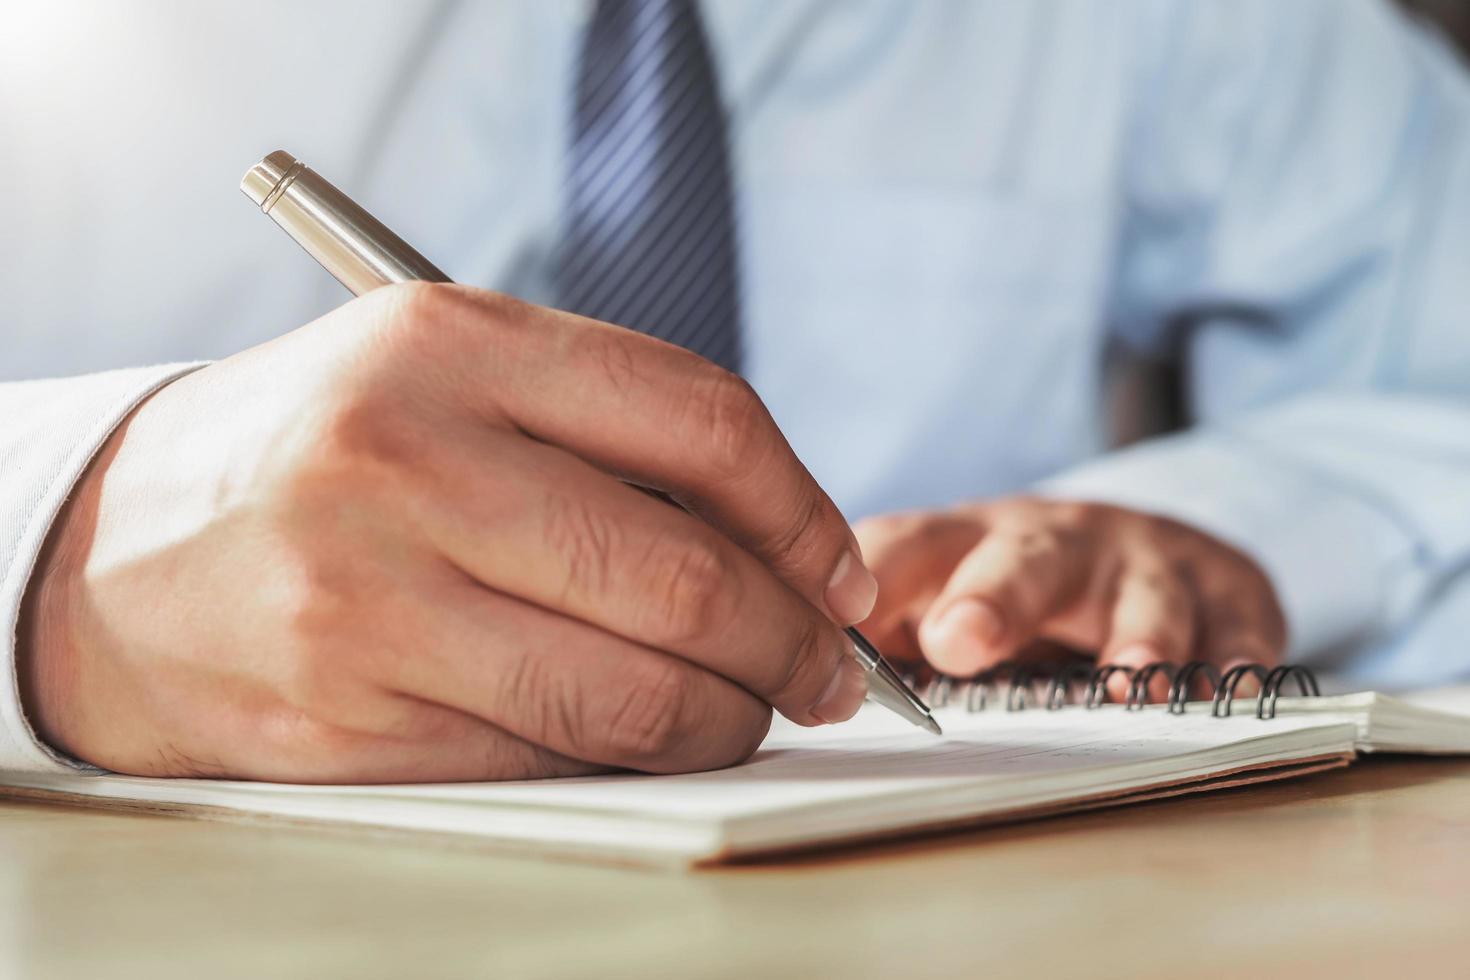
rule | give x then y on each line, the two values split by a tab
962	635
844	694
852	591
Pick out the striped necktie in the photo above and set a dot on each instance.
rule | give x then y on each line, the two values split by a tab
649	228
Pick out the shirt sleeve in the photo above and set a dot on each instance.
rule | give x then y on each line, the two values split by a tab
1297	197
49	431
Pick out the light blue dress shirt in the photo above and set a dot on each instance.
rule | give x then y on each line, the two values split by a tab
948	211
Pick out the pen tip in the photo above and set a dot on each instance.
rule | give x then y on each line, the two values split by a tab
932	726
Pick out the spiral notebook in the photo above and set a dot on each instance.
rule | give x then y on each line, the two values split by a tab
1012	750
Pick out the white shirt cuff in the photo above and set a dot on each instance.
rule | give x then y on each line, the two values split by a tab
49	432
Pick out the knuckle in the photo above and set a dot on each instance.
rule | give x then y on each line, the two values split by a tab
547	703
314	679
420	313
879	536
944	530
313	741
1150	579
1176	605
804	671
726	419
647	723
315	607
175	760
358	457
505	328
692	593
1164	592
1036	558
799	540
609	354
431	323
431	304
528	692
1039	546
364	429
416	301
740	740
585	539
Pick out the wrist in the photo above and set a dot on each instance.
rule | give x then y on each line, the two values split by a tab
48	644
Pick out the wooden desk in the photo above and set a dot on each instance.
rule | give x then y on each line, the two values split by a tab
1353	873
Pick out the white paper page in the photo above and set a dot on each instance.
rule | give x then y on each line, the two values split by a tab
1451	700
878	755
873	775
1432	721
873	756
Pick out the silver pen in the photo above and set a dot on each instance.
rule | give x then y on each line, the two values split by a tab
363	254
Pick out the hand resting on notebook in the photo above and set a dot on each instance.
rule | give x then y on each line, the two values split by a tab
393	545
970	587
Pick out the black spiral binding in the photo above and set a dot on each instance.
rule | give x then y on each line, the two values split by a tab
1080	683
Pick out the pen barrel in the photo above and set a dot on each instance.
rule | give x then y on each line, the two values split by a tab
351	244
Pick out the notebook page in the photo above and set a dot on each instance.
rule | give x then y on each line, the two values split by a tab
873	756
875	775
879	756
1450	700
1431	721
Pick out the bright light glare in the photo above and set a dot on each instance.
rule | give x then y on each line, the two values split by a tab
50	42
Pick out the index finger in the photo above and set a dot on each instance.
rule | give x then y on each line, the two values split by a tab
663	417
1001	596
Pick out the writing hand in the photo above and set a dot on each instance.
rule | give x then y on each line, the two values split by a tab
396	545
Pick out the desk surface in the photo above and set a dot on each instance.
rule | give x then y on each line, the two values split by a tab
1351	873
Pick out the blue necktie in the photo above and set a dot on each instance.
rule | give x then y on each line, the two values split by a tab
649	235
